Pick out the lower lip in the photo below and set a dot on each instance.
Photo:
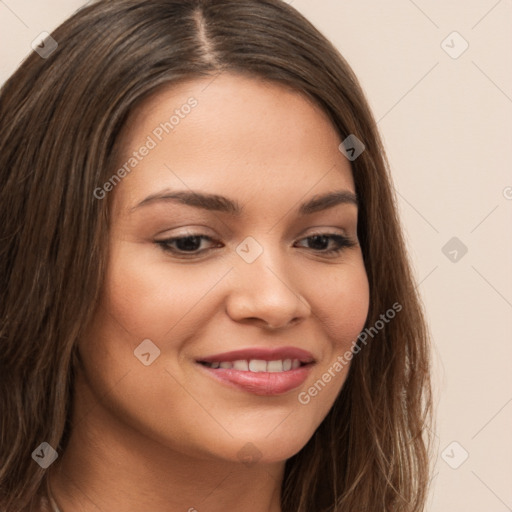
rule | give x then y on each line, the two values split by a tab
261	383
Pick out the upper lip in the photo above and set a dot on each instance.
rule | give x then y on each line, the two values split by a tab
261	353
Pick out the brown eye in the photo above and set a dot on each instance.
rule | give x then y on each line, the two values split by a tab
185	245
320	242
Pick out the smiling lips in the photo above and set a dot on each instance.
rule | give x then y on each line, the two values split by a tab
261	371
257	365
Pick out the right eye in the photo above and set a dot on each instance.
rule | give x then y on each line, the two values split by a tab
185	245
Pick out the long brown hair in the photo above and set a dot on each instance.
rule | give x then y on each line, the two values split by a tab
60	119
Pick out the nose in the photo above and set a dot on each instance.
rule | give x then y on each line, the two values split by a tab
265	292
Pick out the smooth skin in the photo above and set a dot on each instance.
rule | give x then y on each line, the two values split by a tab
167	436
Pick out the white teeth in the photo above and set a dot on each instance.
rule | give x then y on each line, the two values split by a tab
275	366
257	365
241	365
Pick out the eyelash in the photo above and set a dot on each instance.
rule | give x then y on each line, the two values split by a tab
342	241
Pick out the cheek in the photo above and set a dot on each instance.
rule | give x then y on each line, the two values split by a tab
149	296
342	305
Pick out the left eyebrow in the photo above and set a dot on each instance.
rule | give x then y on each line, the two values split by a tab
215	202
329	200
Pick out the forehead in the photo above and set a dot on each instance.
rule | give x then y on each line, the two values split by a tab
231	133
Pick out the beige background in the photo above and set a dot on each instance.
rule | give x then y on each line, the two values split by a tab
446	125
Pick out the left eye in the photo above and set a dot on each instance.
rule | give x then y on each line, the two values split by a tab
189	245
340	242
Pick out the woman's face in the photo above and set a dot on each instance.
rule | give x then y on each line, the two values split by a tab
266	277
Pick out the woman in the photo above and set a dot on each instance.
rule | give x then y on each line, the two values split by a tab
206	299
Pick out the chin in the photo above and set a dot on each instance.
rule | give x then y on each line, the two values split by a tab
259	445
266	450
